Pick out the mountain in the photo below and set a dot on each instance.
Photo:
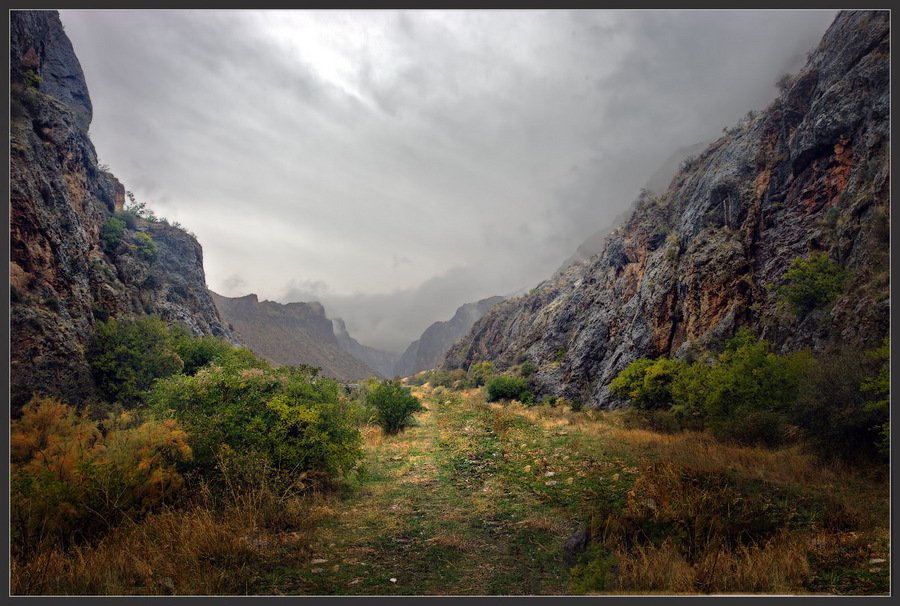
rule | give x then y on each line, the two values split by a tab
382	361
290	335
429	350
658	181
810	174
62	277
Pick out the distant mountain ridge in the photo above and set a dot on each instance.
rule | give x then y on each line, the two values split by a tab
428	351
291	334
382	361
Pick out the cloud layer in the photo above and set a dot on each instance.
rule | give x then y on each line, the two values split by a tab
397	164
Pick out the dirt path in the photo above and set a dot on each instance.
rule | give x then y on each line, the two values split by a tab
446	508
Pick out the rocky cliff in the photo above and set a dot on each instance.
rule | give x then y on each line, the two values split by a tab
384	362
429	350
810	174
62	278
290	335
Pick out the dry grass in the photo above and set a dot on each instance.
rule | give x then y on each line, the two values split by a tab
204	549
780	566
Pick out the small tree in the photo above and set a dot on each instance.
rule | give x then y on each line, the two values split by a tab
811	282
111	233
394	405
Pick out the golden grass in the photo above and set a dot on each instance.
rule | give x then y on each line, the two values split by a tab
203	549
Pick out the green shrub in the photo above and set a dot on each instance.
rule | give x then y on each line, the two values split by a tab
589	575
144	246
291	419
648	383
128	356
395	405
527	369
745	396
127	217
196	352
32	80
560	354
507	388
480	373
835	414
111	233
879	386
810	283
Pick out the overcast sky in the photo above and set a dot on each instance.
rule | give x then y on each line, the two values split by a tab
393	164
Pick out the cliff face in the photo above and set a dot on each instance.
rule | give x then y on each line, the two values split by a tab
61	278
292	334
383	362
809	174
429	350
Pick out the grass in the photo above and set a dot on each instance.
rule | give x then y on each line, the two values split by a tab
479	498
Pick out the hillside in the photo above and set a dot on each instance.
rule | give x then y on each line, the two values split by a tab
292	334
63	278
810	174
428	351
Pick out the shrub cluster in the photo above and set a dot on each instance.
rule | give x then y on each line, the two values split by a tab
394	405
750	395
287	419
509	388
71	474
810	283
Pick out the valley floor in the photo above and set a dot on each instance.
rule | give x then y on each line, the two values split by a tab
481	499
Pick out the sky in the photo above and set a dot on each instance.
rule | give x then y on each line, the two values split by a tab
394	165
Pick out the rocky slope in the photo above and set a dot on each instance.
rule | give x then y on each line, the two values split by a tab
290	335
429	350
61	278
384	362
809	174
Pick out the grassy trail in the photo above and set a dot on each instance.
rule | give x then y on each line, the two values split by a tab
471	500
480	499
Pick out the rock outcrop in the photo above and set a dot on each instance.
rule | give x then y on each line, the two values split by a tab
810	174
62	278
291	335
429	350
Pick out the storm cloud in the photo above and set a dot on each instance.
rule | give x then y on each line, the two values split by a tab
394	165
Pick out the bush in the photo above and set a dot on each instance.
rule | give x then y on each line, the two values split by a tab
128	356
811	283
836	415
111	233
480	373
32	80
144	246
395	405
648	383
527	369
745	396
70	475
507	388
288	418
196	352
